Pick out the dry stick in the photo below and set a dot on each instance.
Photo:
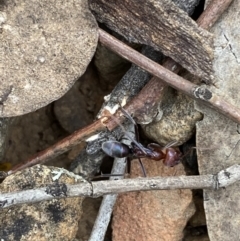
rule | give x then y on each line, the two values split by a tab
61	146
214	10
95	189
197	92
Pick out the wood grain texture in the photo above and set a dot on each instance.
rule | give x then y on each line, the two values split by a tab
162	25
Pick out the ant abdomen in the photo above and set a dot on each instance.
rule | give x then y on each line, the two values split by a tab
116	149
173	157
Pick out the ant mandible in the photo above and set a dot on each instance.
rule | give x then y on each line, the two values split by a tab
170	155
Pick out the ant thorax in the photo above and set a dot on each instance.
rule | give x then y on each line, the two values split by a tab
149	152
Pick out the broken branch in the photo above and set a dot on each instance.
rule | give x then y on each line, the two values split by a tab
224	178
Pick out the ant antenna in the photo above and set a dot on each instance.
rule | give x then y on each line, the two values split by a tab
170	144
127	114
142	167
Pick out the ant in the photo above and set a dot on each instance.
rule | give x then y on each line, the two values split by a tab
170	155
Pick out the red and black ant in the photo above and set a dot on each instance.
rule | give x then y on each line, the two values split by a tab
170	155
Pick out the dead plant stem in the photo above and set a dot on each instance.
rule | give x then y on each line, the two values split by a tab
224	178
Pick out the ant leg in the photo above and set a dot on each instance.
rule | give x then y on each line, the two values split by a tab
142	167
102	175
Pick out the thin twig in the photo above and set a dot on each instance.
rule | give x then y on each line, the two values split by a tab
224	178
199	93
145	63
108	202
62	146
212	13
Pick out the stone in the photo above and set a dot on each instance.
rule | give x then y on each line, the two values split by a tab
153	215
44	48
78	107
56	219
178	122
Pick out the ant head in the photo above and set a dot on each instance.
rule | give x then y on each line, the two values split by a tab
173	157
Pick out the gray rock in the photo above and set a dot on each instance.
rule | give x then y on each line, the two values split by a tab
217	136
56	219
44	47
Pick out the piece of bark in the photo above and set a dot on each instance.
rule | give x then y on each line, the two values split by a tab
130	85
218	137
162	25
44	47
